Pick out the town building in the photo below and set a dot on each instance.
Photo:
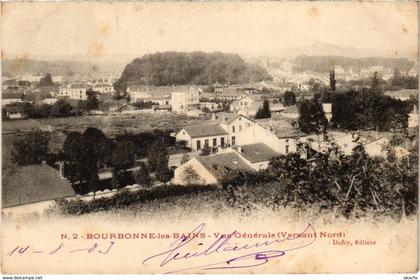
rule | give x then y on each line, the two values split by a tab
199	136
182	101
257	155
33	189
209	170
73	91
102	87
244	104
138	92
279	135
232	124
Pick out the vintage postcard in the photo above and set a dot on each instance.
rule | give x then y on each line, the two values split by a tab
209	137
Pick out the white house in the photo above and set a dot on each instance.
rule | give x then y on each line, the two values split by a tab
233	124
181	101
200	136
138	92
279	135
74	91
209	169
244	104
103	87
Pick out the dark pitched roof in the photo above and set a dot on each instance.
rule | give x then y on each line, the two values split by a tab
225	117
219	165
291	110
280	127
203	130
257	152
33	183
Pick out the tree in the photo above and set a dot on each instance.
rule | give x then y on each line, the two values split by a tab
289	98
190	176
46	81
264	112
205	151
163	173
61	108
157	152
375	86
332	79
123	157
85	154
142	176
30	149
312	117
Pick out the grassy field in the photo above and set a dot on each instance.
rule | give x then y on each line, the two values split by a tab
110	124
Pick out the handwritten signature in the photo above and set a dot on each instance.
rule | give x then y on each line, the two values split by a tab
257	254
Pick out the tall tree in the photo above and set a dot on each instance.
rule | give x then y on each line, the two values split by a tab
289	98
375	86
142	176
123	157
264	112
46	81
332	79
30	149
312	117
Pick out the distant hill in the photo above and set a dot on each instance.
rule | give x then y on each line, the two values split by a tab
13	67
323	63
182	68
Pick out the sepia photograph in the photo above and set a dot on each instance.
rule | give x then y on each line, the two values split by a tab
209	137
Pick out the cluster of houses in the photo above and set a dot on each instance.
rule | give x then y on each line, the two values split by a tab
238	142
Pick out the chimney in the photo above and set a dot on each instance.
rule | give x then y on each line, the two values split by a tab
61	169
213	116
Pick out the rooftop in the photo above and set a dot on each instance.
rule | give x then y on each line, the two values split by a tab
220	165
33	183
280	127
256	152
204	130
403	93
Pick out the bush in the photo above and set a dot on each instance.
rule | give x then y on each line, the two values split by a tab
126	198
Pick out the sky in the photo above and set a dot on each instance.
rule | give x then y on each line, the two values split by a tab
106	31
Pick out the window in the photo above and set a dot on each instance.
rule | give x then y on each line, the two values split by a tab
222	141
233	140
233	128
206	143
214	142
247	124
287	149
198	145
240	127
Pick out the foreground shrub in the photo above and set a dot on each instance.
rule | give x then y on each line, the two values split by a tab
126	198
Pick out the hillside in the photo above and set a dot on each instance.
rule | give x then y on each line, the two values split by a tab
13	67
181	68
324	63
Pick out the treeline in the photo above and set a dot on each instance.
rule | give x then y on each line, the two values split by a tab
368	109
182	68
323	63
61	108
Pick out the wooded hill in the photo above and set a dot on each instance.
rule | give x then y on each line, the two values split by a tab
182	68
